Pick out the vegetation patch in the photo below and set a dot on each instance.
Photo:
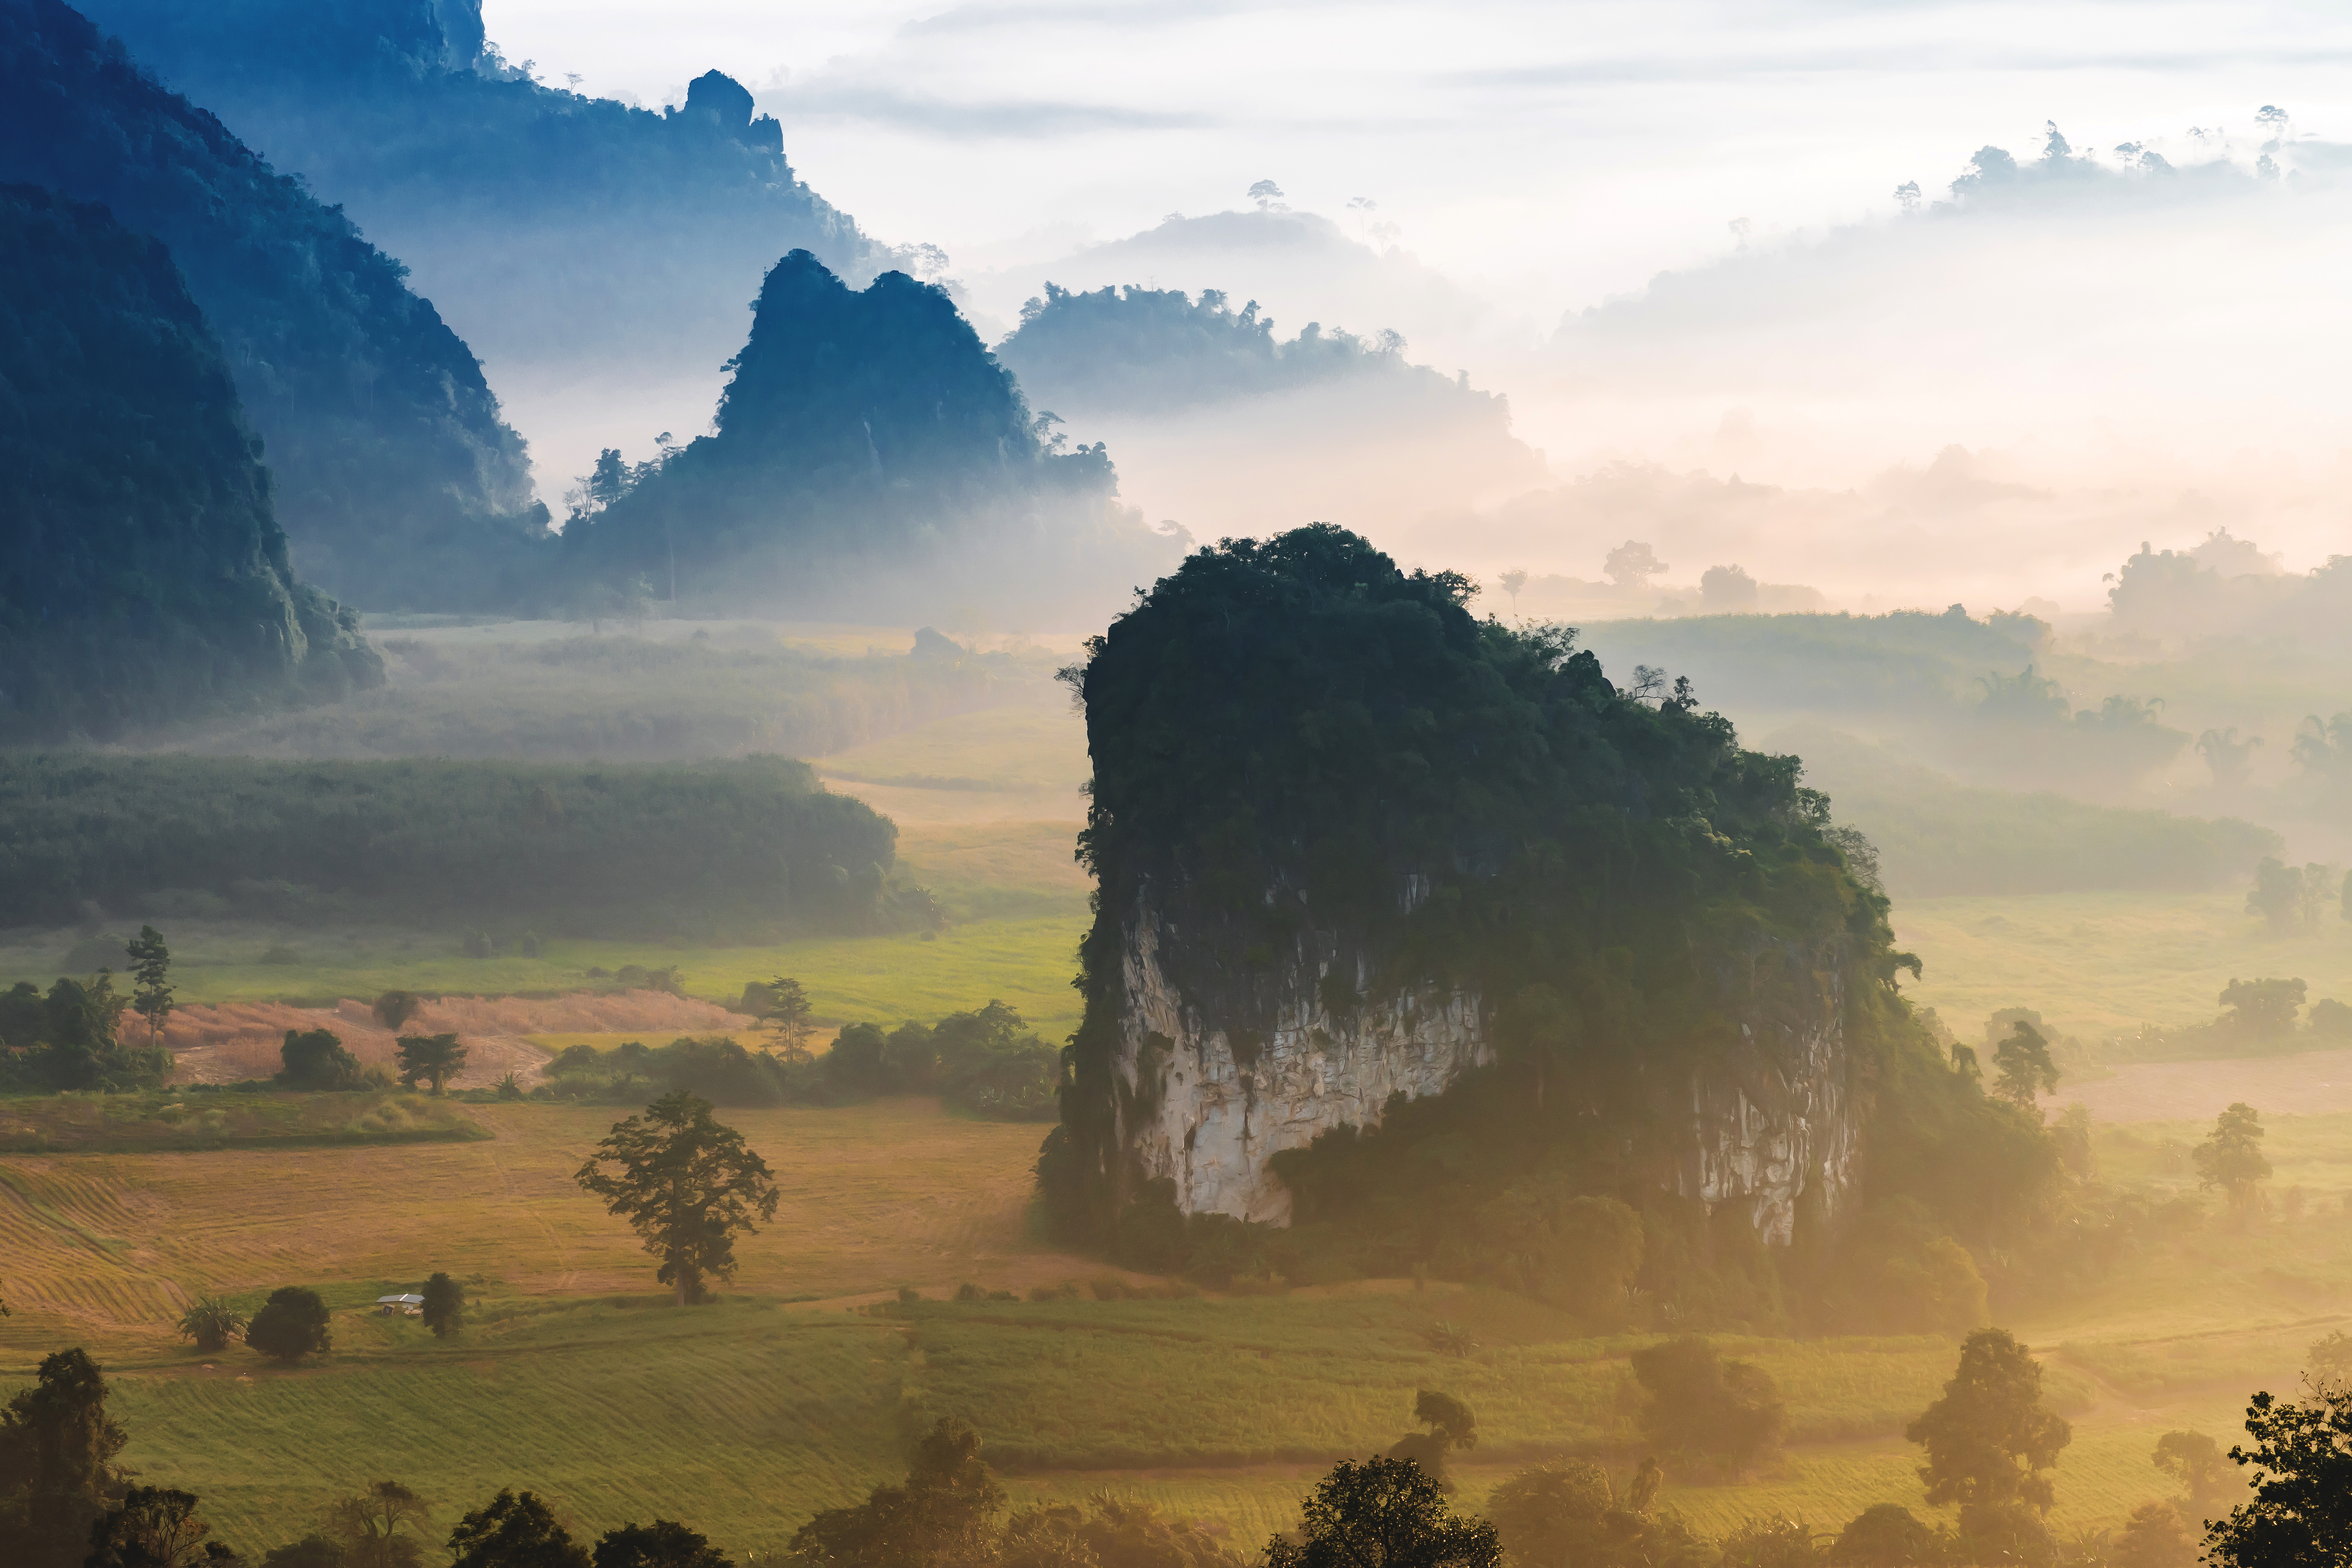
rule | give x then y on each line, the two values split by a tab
160	1121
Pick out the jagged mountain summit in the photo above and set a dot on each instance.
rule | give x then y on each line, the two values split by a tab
556	229
144	576
869	452
398	483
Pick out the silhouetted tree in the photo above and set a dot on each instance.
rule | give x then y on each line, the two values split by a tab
2263	1009
687	1185
2195	1462
1451	1426
290	1325
788	1015
663	1543
152	1527
444	1310
2024	1069
368	1526
2231	1159
1632	563
941	1516
1513	581
316	1059
151	966
512	1531
1383	1513
2155	1536
57	1460
2301	1513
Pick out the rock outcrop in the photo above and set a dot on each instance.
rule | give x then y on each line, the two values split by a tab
1208	1100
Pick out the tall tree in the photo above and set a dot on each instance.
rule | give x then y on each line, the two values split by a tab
1383	1513
2231	1159
512	1531
151	966
788	1015
444	1306
434	1057
2023	1064
1989	1438
152	1527
369	1526
2301	1513
687	1185
57	1460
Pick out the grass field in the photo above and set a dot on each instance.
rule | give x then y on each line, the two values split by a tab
575	1379
2095	964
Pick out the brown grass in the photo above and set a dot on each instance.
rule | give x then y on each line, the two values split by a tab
233	1041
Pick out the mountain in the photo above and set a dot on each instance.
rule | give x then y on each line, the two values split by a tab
397	482
598	256
142	574
1416	942
870	456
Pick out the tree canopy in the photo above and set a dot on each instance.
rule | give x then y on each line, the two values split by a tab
1989	1438
687	1185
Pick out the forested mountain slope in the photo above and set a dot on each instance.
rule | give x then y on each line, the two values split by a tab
397	482
143	576
550	227
869	452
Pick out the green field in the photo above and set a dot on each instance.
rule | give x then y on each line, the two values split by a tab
794	1392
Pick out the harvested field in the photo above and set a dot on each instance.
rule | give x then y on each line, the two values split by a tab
231	1042
2315	1083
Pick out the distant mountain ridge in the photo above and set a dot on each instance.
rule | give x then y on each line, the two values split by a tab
144	576
397	481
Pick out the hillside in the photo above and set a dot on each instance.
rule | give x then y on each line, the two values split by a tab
869	452
142	572
397	482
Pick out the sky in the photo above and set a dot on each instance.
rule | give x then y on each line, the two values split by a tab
1676	226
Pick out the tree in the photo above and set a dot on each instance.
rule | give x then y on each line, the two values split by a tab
1265	194
2231	759
2231	1159
2263	1009
1632	563
1513	581
290	1325
1451	1426
437	1057
152	1527
1989	1438
151	966
2195	1462
2278	893
211	1323
1383	1513
788	1015
511	1531
1885	1535
2301	1513
315	1059
663	1543
368	1526
57	1459
685	1185
1780	1542
314	1551
1703	1407
444	1306
2155	1536
2023	1067
394	1008
941	1516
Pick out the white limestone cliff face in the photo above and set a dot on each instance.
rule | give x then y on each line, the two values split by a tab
1771	1123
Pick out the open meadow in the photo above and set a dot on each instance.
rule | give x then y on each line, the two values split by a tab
798	1389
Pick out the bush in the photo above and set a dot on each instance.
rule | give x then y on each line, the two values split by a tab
290	1325
316	1059
1703	1407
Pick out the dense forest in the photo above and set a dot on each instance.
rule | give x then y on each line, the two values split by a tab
142	574
397	482
869	451
588	849
1293	737
530	210
1143	349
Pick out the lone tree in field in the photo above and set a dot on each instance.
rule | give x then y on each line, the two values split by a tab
434	1057
290	1325
2232	1159
1383	1513
687	1185
151	967
2301	1513
2024	1067
444	1306
1989	1439
394	1008
788	1015
211	1323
